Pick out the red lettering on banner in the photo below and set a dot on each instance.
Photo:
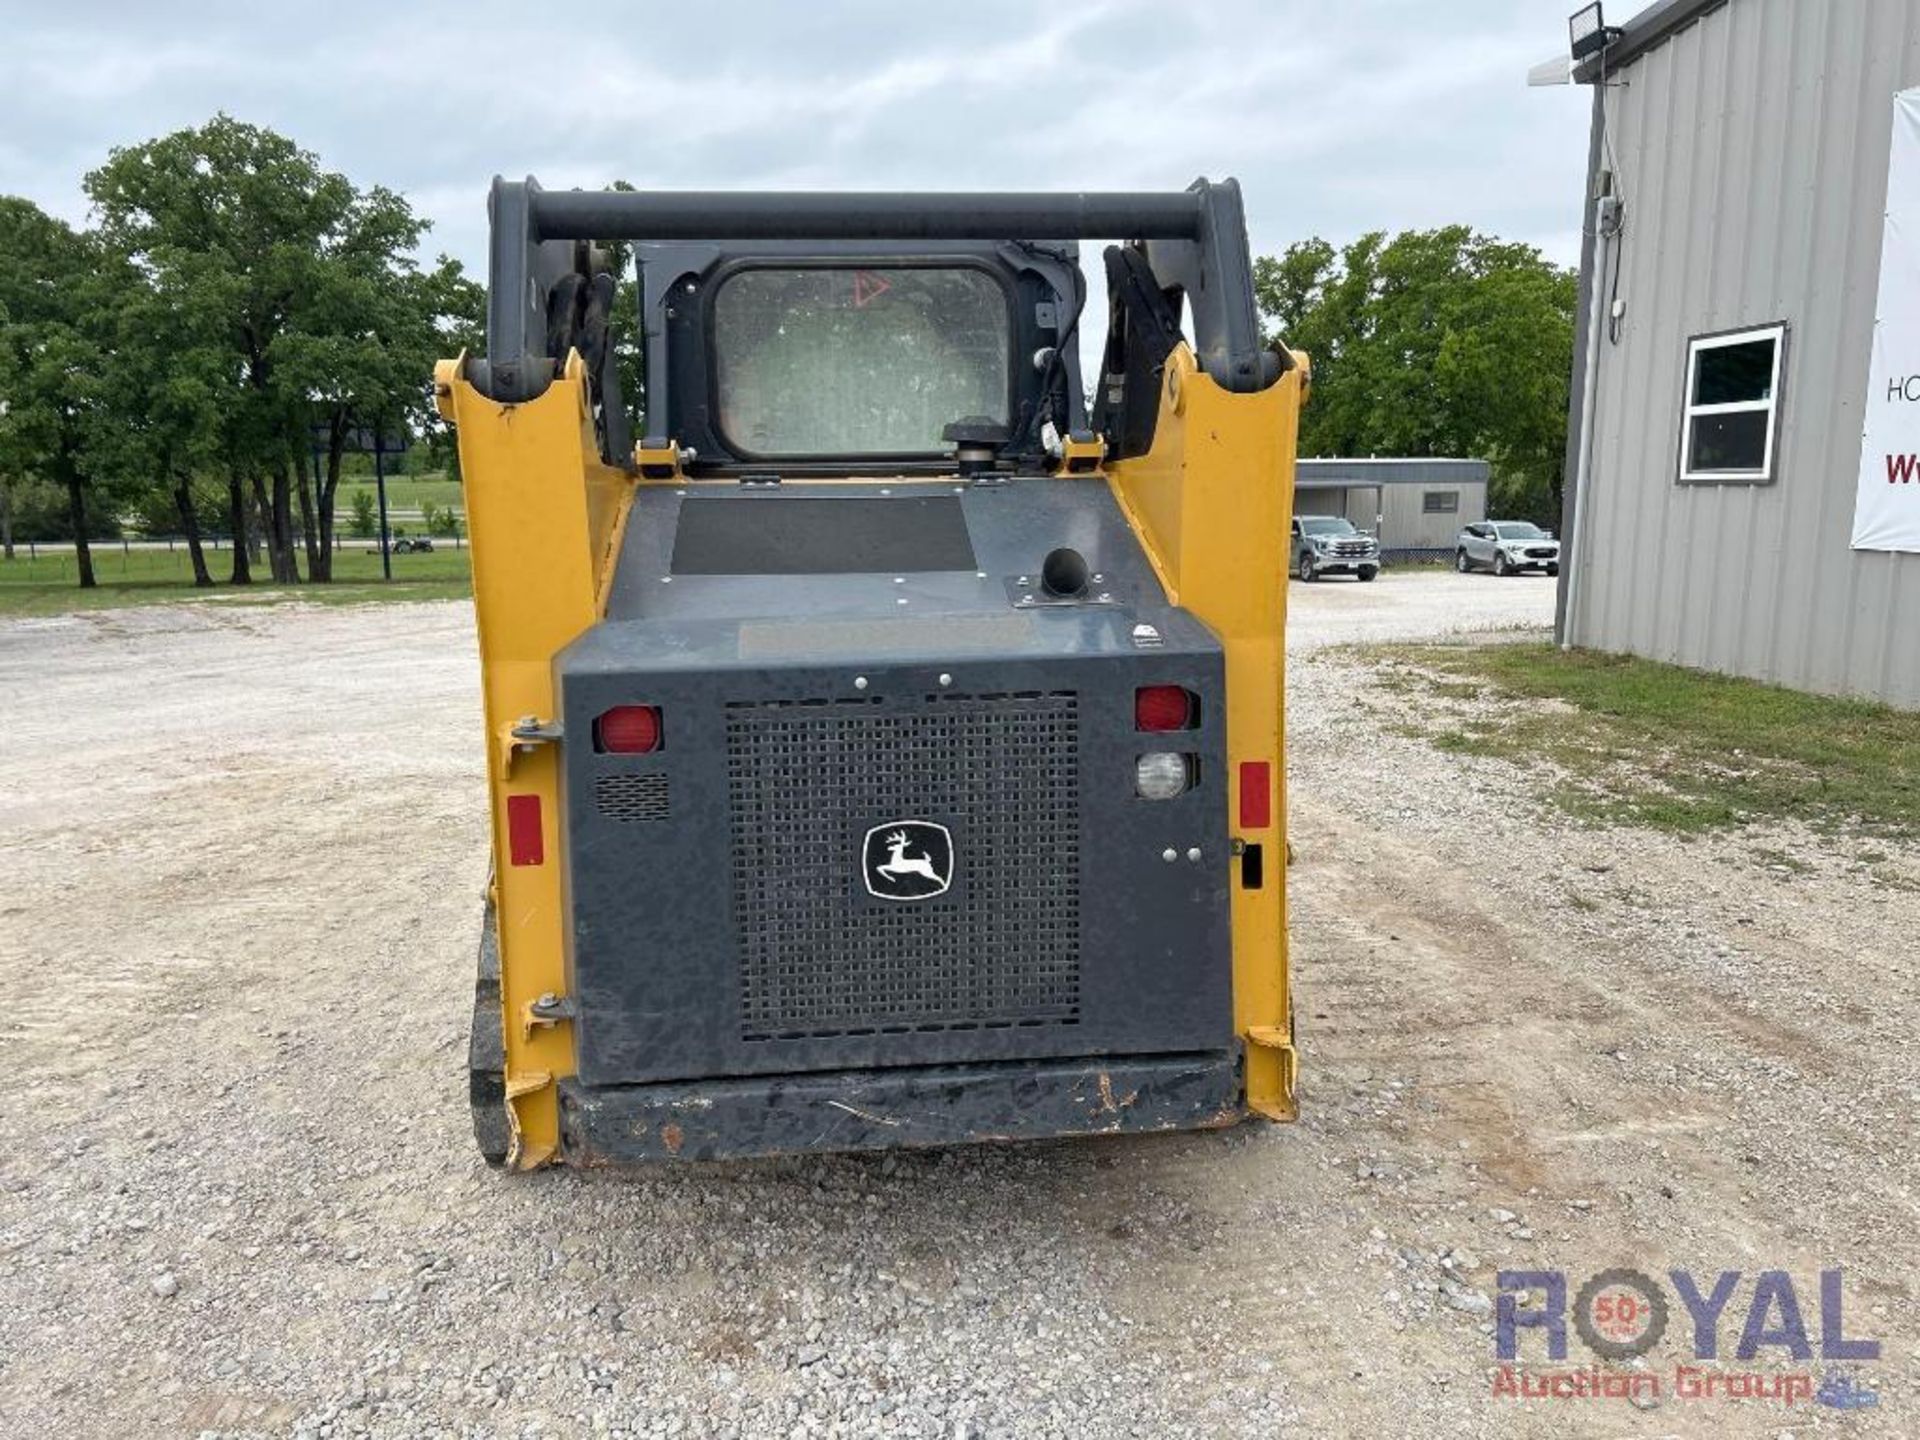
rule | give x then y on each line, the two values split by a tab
1901	469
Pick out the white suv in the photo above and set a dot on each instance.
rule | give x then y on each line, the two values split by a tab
1506	547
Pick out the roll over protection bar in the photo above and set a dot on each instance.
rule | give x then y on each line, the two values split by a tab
1195	239
839	215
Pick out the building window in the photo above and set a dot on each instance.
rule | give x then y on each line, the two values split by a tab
1440	502
1732	404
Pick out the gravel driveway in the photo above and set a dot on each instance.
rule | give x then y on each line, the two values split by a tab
242	851
1413	604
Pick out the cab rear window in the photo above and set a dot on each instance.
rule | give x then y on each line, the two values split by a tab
867	361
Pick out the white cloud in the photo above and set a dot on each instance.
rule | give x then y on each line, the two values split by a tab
1337	118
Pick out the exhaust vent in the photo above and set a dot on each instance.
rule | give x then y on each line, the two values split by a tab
631	798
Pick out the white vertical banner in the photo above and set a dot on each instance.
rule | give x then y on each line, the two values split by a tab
1886	513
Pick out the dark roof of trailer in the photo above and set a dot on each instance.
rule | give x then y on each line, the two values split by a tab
1388	470
1649	28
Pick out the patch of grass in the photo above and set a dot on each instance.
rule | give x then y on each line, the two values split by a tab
1466	741
1781	860
1399	681
1640	743
1677	815
403	493
48	584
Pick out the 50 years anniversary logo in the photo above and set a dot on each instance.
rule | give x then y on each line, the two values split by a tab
1623	1315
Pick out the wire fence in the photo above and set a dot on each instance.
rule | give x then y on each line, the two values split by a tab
34	549
162	557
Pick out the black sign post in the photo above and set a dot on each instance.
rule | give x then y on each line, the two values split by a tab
372	441
380	485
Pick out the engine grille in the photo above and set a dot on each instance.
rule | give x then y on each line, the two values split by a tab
1542	552
818	957
1352	549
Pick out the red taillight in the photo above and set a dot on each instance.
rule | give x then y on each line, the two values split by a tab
1164	707
628	730
1256	794
525	845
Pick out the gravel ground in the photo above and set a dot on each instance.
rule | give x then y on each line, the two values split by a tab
1416	604
242	850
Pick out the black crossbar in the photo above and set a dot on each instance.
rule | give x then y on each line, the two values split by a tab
1195	241
820	215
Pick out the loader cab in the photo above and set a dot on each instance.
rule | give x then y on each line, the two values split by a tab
901	811
867	358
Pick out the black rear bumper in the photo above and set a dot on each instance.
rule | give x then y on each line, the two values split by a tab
910	1106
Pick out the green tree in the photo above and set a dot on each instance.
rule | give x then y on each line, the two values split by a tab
41	512
54	295
629	347
364	521
460	321
368	337
165	380
1435	342
155	508
230	221
308	287
10	480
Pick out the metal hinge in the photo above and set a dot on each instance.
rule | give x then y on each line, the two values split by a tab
660	459
549	1009
1082	453
523	735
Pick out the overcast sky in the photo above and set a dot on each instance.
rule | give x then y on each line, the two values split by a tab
1337	116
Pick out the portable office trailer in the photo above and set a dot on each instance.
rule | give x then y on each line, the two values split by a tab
1417	505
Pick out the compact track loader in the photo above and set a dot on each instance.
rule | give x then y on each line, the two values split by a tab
886	748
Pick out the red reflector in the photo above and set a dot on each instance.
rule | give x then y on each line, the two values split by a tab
1256	794
1162	707
628	730
524	843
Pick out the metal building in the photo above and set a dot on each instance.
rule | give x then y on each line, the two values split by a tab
1416	506
1737	184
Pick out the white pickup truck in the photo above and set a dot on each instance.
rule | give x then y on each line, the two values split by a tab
1330	545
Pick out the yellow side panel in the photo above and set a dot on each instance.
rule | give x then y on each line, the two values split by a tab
544	514
1212	503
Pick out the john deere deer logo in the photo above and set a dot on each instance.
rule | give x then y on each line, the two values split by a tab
907	860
